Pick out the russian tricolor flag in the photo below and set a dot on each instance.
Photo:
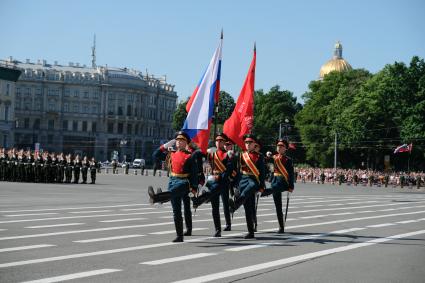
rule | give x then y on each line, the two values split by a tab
200	107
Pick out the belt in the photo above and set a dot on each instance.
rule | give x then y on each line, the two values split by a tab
278	174
184	175
217	172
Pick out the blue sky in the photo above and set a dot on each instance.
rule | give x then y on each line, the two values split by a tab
178	38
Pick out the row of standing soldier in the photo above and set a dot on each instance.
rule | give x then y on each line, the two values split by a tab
45	167
240	175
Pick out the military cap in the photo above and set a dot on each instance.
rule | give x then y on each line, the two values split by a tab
221	136
182	136
282	142
249	137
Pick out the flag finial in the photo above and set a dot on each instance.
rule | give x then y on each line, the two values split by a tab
255	46
221	37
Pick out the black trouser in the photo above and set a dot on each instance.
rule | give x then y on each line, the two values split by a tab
225	199
93	175
76	175
277	198
84	174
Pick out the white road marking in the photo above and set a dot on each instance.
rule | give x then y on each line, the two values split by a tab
380	225
89	211
29	214
73	276
346	230
284	261
72	208
55	225
179	258
108	239
122	220
249	247
24	248
407	221
174	231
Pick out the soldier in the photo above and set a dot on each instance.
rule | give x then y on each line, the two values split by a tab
114	167
252	179
69	167
221	164
84	169
30	167
183	177
230	185
77	169
93	167
61	168
283	179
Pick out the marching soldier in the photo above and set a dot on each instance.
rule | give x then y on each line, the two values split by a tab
61	168
221	162
230	185
77	168
252	178
93	167
283	179
84	169
68	169
183	177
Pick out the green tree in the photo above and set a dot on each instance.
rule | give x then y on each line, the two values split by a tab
180	115
271	109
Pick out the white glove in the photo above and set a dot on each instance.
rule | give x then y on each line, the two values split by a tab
211	150
230	153
269	153
170	143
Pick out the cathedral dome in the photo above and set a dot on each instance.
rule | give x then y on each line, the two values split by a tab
337	63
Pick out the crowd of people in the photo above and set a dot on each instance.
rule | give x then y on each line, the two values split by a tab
360	177
44	167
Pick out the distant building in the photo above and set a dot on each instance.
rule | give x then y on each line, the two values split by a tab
337	63
8	78
95	111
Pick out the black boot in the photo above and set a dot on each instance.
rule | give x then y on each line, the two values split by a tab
179	230
151	194
267	192
234	205
217	225
197	201
250	235
188	232
281	226
228	227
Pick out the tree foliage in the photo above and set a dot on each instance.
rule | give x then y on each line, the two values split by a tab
371	114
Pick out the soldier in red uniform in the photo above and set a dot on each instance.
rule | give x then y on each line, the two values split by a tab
221	164
283	179
252	179
183	178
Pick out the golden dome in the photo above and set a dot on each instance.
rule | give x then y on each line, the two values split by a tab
337	63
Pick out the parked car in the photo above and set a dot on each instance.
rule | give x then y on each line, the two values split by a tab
138	163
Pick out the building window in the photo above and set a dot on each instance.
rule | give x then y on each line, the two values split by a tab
128	110
129	129
18	91
131	97
76	108
111	108
86	94
26	123
111	128
96	94
120	110
28	91
27	105
93	127
94	109
66	107
86	109
76	93
75	126
37	124
84	126
38	91
49	139
37	105
67	93
6	113
52	105
51	124
120	128
65	125
7	89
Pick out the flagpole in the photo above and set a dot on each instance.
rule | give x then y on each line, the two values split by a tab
216	106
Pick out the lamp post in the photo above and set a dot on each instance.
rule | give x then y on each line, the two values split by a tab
123	143
286	128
